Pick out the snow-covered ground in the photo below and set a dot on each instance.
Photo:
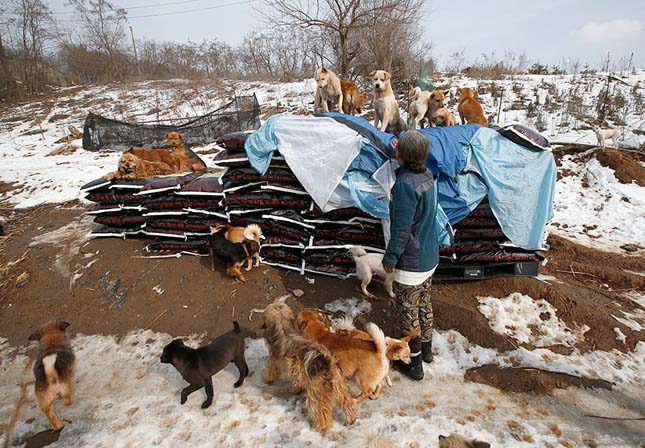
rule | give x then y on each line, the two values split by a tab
28	133
125	397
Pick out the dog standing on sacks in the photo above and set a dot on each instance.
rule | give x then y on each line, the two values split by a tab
53	369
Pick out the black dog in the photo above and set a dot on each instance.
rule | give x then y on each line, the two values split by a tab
233	254
198	365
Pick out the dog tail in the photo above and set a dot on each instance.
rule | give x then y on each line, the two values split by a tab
377	335
253	232
49	364
346	323
236	327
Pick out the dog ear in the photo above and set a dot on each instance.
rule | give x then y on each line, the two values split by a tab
441	437
318	364
62	325
387	76
406	338
35	336
446	92
167	135
323	70
373	72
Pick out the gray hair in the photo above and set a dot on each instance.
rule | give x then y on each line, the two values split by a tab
412	150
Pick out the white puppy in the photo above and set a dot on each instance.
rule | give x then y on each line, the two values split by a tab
418	107
368	265
602	135
386	109
328	91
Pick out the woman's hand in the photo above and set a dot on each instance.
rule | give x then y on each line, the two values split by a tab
388	269
394	143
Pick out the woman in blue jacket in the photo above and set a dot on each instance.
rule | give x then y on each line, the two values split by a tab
413	250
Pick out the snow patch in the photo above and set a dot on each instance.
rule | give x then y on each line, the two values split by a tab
527	320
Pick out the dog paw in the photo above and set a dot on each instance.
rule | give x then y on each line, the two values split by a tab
67	401
247	269
238	384
183	400
206	404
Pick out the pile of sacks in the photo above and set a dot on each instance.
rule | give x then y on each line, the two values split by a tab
176	212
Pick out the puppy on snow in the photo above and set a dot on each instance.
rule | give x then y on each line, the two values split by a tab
368	265
457	441
603	135
197	366
53	369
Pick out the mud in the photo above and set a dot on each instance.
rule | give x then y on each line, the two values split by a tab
525	380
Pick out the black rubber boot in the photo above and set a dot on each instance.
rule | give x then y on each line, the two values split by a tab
426	351
414	370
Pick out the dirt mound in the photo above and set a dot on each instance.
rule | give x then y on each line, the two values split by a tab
626	165
526	380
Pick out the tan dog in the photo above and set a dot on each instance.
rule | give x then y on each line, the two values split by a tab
328	91
353	100
457	441
386	109
240	234
418	107
443	117
396	349
188	160
361	359
53	369
470	111
308	365
133	167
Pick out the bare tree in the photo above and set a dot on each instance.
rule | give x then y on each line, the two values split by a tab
30	31
340	20
104	31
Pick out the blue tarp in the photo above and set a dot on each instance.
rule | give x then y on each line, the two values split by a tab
469	161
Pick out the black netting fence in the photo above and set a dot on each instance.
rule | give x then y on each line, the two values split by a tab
241	114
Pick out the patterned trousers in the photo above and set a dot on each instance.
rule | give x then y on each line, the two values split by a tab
414	309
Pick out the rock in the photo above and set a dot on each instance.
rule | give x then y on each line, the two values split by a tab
22	279
630	247
298	292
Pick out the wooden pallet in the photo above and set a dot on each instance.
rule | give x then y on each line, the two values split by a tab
480	271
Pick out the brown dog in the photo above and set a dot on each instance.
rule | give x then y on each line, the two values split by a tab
353	100
364	360
308	365
443	117
435	102
188	160
251	232
470	111
53	369
457	441
133	167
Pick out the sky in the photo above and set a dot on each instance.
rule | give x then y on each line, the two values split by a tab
546	30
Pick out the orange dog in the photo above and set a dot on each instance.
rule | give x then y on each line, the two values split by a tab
133	167
443	117
188	160
364	360
353	101
470	111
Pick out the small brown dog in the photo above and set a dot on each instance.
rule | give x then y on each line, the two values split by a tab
353	100
470	111
396	349
188	160
53	369
435	102
457	441
308	365
443	117
362	359
133	167
251	232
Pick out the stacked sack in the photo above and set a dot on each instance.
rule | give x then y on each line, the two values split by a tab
175	213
